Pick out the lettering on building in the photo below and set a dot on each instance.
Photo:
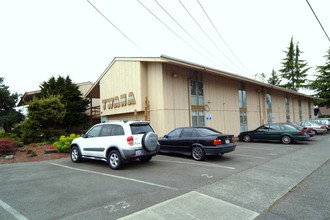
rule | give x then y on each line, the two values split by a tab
119	101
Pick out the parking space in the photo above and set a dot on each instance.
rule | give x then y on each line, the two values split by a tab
61	189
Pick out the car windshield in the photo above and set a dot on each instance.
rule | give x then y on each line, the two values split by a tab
288	127
315	124
208	132
140	128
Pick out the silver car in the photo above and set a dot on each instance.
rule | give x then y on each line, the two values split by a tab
323	121
317	128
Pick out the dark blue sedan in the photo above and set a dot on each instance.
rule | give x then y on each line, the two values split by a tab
198	142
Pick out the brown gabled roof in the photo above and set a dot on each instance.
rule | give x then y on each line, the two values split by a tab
324	110
94	91
28	96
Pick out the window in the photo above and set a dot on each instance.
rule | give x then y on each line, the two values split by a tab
269	107
300	110
106	130
193	92
140	128
117	130
242	107
274	127
94	132
287	108
175	133
208	132
197	103
187	132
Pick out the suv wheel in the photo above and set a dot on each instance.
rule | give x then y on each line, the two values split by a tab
149	142
75	154
114	160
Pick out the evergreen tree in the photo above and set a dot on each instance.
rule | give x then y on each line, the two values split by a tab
301	69
71	97
274	79
321	85
8	115
44	118
294	70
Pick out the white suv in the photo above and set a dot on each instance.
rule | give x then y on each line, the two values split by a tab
116	142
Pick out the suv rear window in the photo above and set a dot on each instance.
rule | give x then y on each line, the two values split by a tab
140	128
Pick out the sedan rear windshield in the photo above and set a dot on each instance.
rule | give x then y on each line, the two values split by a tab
208	132
140	128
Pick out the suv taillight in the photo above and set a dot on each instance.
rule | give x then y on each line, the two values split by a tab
130	140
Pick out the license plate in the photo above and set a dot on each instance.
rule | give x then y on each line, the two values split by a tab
227	141
138	153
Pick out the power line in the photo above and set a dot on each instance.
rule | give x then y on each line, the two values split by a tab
116	27
232	52
207	34
188	33
318	20
172	30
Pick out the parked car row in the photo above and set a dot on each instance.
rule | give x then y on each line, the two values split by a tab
316	127
286	132
118	142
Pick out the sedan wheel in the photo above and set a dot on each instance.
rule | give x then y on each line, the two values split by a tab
286	139
114	160
198	153
75	154
247	138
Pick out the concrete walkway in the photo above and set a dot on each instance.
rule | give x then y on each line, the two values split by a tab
246	194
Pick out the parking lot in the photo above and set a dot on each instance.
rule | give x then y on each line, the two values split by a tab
242	183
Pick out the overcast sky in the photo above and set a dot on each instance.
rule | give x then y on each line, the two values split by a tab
44	38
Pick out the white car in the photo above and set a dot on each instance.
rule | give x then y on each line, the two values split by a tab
116	142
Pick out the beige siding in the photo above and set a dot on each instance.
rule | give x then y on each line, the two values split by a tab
174	93
84	87
127	116
122	78
167	88
278	107
221	97
154	75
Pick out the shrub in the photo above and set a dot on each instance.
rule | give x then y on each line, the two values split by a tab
12	136
7	145
63	144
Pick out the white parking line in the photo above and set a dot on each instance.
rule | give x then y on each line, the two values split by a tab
244	155
197	164
114	176
12	211
280	148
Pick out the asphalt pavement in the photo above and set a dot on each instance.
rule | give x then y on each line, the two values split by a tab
256	181
258	190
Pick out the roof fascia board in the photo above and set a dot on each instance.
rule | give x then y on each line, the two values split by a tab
229	75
